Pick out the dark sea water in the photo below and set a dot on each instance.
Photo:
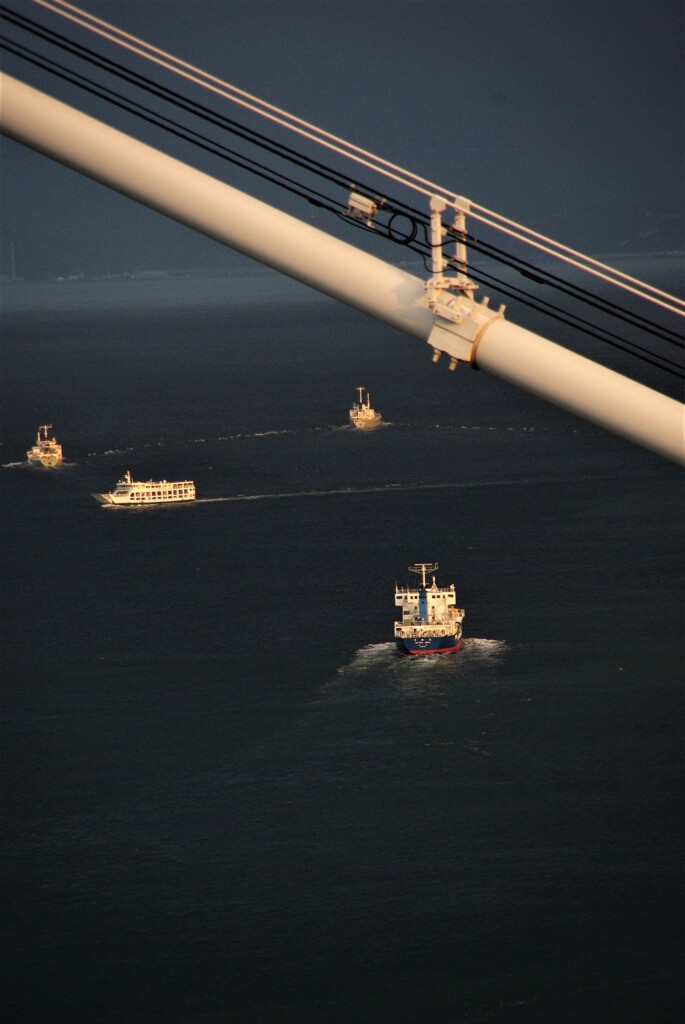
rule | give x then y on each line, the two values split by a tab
226	798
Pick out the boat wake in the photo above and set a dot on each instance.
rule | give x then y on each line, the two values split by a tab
484	651
330	428
181	443
472	428
371	658
36	469
379	489
476	651
378	672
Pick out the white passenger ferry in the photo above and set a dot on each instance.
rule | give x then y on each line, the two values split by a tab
362	415
151	492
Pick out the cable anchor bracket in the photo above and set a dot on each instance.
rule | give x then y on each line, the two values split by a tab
439	282
461	321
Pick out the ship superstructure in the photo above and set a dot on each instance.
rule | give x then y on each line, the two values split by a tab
431	621
362	415
150	492
45	452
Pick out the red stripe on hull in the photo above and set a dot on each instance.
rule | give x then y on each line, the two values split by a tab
436	650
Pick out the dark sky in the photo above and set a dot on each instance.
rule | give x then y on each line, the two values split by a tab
566	116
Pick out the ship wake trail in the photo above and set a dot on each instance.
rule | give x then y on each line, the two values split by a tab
476	651
330	428
480	649
380	489
370	658
168	443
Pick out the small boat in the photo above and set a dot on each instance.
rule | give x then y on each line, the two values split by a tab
152	492
362	415
431	621
45	452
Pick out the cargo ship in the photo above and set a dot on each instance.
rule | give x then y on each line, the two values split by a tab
362	415
45	452
151	492
431	621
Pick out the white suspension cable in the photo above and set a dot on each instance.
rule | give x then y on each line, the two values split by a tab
359	155
576	263
566	249
241	97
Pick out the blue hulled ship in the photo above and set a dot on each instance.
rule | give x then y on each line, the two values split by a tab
431	621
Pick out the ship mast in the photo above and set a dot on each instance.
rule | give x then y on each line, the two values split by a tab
421	568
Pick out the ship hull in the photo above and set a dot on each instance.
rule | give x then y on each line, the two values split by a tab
428	644
45	452
46	461
367	424
115	500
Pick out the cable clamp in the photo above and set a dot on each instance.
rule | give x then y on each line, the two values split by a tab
361	207
461	330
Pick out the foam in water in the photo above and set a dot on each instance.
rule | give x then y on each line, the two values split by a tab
477	652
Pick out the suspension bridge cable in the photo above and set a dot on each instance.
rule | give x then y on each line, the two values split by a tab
574	291
485	212
162	92
160	121
327	173
380	165
637	352
397	207
306	192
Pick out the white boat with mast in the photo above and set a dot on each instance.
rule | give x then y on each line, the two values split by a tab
431	621
362	415
45	452
129	492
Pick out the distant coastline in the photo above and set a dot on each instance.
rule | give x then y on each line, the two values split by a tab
234	273
151	274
